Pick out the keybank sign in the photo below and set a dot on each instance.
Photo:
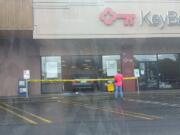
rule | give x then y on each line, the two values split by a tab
171	18
160	20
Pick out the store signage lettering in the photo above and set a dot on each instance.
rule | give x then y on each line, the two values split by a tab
108	17
160	20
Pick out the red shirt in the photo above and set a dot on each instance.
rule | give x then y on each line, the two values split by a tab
118	79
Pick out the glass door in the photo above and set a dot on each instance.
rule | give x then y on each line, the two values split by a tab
81	67
147	64
169	71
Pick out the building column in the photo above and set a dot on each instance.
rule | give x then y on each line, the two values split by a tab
127	64
17	55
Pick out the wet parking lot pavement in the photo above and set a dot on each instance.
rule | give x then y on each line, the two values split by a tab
150	114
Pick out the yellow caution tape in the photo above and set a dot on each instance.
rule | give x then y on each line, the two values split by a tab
75	80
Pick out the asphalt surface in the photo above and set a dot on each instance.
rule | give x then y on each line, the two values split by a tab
144	114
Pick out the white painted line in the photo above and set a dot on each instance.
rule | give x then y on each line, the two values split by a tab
153	102
175	105
130	99
156	102
140	101
165	104
54	97
148	102
59	101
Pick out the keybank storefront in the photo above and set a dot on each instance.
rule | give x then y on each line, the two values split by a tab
157	71
94	39
99	38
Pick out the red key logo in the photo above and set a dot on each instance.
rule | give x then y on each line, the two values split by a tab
108	16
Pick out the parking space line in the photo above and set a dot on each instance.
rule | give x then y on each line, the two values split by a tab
18	115
45	120
174	105
147	115
124	113
156	102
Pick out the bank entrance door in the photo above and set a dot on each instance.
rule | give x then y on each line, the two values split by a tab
80	68
147	64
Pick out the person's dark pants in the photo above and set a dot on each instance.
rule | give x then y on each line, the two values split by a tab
118	89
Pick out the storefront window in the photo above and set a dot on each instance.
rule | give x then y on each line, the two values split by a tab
111	64
51	67
145	57
169	73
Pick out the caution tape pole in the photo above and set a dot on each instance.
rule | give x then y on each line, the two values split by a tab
138	85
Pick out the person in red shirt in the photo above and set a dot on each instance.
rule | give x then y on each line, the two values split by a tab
118	78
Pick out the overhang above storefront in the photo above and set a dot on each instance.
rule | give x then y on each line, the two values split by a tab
106	19
58	47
